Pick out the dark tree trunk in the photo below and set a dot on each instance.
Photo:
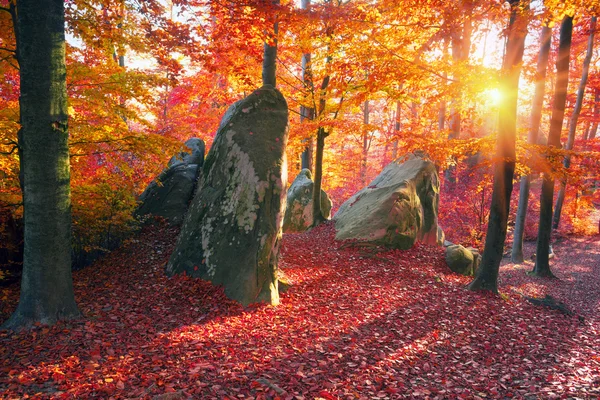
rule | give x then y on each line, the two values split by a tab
594	127
365	145
46	285
269	67
487	273
573	122
536	119
321	135
307	112
397	127
542	266
317	213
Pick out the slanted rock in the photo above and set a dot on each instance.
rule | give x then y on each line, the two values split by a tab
231	234
169	195
462	260
398	207
299	210
192	152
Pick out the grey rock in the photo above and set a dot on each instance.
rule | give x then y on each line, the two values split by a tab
399	207
169	195
462	260
231	234
192	152
299	210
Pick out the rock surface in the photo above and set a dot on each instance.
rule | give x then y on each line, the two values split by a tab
192	152
299	211
231	234
169	195
461	260
398	207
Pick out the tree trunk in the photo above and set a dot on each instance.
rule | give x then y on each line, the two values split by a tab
269	66
397	127
316	199
461	47
487	273
307	112
321	135
542	266
573	122
442	109
365	145
594	127
46	285
536	119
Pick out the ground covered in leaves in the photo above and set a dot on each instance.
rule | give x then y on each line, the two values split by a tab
356	323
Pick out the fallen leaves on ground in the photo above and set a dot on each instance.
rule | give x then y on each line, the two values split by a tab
362	323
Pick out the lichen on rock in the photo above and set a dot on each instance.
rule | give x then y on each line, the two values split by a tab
399	207
232	232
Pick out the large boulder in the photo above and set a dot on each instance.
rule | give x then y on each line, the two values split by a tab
231	234
398	207
299	209
192	152
461	260
169	195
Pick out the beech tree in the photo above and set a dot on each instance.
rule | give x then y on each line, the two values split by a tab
270	54
536	119
573	121
46	286
487	274
542	266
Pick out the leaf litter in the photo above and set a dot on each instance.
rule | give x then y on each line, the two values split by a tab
356	323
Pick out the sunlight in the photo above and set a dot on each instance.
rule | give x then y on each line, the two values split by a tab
494	95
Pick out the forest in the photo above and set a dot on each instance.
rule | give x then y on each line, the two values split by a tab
299	199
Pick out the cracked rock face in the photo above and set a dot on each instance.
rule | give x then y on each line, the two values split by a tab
231	234
398	208
169	195
299	210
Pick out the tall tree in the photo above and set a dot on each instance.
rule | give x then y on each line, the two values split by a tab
270	54
536	119
573	121
596	115
487	274
542	266
461	47
366	142
46	285
307	113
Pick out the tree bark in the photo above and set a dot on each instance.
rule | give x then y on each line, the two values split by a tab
397	127
461	47
542	266
365	145
269	67
536	119
317	213
307	112
487	273
594	128
46	286
573	122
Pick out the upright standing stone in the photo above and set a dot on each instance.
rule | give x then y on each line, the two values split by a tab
232	231
169	195
299	210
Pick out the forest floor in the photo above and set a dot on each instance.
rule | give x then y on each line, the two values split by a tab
356	323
